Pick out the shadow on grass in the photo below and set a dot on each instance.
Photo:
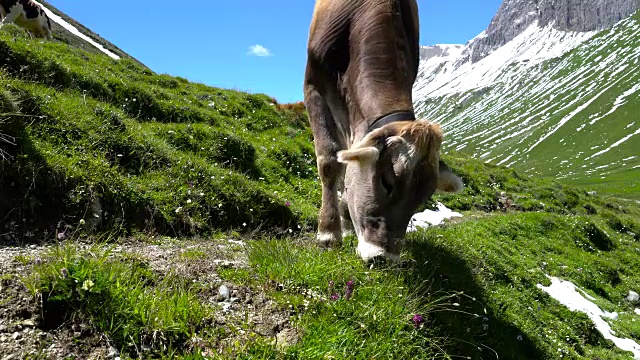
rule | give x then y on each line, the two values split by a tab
28	205
471	328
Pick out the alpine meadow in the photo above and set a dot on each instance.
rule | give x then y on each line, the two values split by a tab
146	216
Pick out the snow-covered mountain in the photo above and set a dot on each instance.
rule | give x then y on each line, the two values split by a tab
539	95
516	16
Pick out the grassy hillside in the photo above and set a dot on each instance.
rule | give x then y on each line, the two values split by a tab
117	146
195	187
576	117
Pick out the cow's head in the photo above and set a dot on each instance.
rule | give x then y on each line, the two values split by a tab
389	173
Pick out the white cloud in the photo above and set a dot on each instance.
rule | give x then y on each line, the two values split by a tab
259	50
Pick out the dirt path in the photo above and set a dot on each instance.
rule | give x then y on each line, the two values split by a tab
245	313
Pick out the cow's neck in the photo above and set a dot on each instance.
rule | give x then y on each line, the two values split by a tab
373	104
361	128
391	118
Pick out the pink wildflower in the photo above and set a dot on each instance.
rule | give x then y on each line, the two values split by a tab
349	290
417	320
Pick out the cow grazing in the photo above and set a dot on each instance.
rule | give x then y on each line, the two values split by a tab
362	62
28	15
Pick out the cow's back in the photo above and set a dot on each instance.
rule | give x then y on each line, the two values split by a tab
368	52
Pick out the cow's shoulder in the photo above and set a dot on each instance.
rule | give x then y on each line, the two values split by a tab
330	23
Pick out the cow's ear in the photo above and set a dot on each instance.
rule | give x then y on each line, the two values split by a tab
367	154
448	181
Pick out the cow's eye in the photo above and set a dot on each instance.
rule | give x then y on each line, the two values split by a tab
387	183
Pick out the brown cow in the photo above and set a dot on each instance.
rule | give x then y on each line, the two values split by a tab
28	15
362	62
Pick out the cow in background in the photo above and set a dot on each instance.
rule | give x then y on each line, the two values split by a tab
28	15
362	61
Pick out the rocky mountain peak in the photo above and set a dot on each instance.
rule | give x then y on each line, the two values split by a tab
441	50
515	16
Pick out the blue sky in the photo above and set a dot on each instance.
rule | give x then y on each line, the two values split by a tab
210	41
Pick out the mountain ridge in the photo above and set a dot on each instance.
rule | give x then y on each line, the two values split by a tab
572	94
515	16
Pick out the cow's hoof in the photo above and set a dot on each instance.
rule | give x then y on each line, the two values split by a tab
373	253
329	240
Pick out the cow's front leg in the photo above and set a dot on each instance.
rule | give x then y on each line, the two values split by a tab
329	169
329	225
345	218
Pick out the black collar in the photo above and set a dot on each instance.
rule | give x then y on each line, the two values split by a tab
393	117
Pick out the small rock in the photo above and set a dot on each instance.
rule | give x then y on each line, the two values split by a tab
287	337
226	306
633	296
16	335
29	323
225	264
113	353
3	328
637	311
223	293
33	246
10	357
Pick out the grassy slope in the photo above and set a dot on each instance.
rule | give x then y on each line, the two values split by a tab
535	101
158	152
81	135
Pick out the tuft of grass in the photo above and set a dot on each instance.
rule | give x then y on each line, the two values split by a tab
125	300
193	254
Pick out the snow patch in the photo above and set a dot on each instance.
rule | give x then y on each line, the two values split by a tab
72	29
430	217
616	144
567	294
621	100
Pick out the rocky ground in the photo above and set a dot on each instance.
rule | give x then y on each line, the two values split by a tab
244	312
